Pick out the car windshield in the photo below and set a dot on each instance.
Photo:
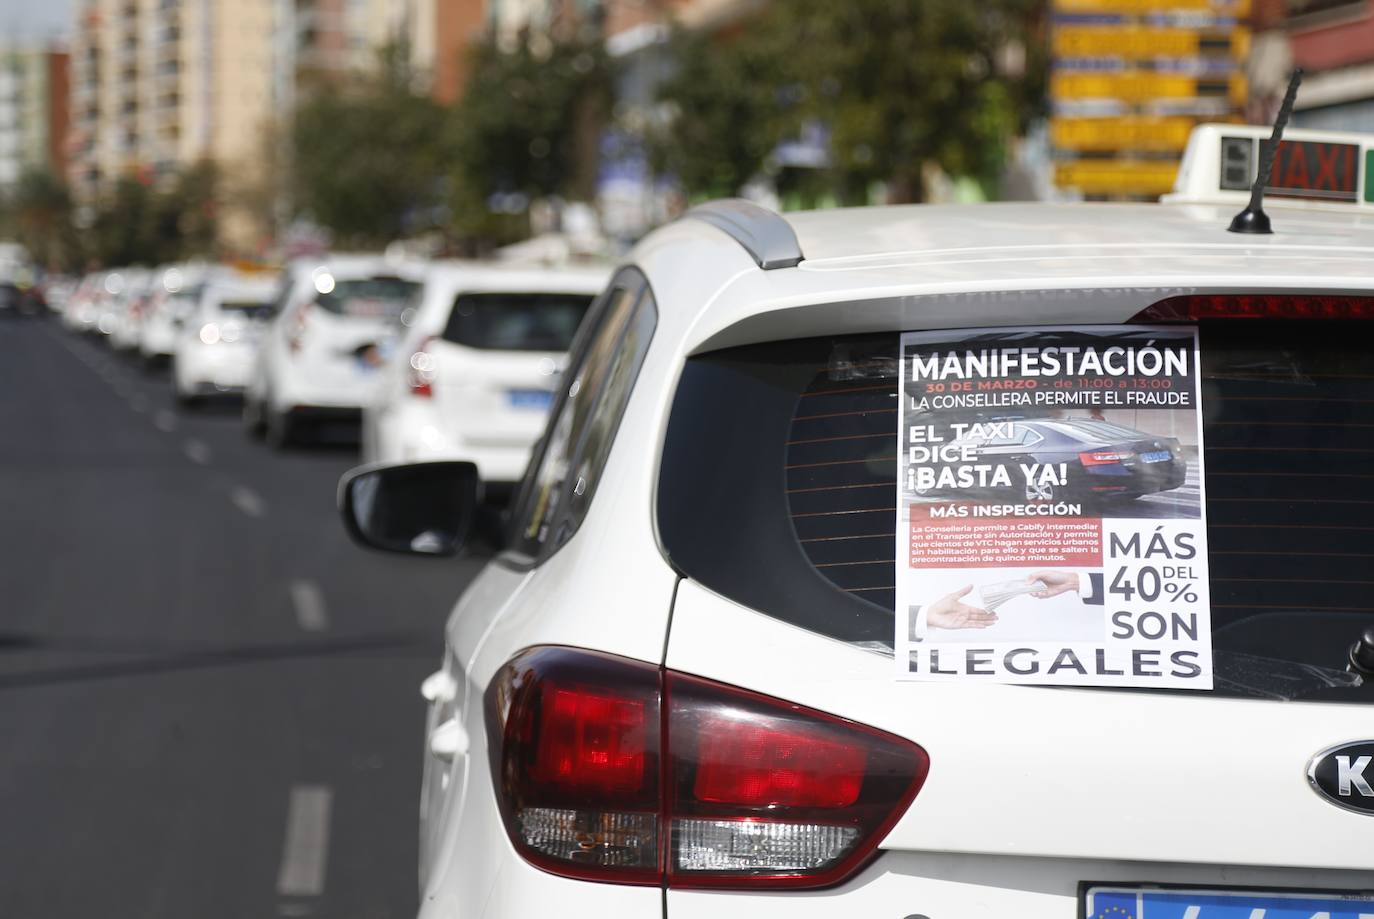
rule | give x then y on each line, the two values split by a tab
516	322
801	439
1091	429
252	309
381	297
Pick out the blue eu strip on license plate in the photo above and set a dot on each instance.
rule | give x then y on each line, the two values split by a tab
529	398
1160	456
1170	903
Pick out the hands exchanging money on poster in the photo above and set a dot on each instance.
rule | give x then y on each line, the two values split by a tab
950	612
1056	583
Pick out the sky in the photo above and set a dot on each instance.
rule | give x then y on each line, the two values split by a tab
27	20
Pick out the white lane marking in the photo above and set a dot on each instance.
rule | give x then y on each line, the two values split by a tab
308	599
197	451
165	421
305	854
138	402
248	501
1192	912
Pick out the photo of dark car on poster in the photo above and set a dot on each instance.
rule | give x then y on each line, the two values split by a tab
1105	464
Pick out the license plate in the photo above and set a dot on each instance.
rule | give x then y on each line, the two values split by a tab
1159	456
1178	903
537	399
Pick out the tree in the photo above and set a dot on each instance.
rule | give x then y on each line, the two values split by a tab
530	119
124	230
187	211
895	84
367	157
41	214
727	112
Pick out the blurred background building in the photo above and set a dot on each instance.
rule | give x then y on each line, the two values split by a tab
33	111
1333	41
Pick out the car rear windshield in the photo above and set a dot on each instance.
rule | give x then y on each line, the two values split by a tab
516	322
369	298
253	309
778	490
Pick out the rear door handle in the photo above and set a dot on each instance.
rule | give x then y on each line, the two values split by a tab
449	741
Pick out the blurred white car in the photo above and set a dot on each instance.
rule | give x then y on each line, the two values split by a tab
217	342
337	316
477	366
172	302
131	307
82	310
130	285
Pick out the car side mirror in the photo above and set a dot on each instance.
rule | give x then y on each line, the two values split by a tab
416	508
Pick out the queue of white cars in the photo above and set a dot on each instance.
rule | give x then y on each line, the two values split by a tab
443	359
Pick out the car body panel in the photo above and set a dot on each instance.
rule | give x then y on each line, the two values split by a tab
1031	790
223	364
467	416
999	752
327	372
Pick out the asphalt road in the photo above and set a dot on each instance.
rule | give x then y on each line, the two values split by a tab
208	695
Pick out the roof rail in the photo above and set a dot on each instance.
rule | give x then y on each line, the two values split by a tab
764	234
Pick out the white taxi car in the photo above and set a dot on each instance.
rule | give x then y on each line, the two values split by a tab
337	316
219	337
174	299
673	690
117	315
477	365
83	309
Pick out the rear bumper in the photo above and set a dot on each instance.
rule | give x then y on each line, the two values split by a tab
294	390
413	434
1140	479
213	368
985	887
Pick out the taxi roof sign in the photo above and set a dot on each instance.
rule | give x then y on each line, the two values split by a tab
1328	170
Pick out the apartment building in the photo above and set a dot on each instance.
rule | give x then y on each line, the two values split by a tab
159	85
1333	41
33	112
440	35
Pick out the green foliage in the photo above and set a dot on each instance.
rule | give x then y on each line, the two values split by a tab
896	83
189	210
727	109
40	214
530	120
367	157
134	223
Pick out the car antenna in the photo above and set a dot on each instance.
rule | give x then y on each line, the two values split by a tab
1253	219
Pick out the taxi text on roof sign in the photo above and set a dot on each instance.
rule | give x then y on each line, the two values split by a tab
1129	80
1321	168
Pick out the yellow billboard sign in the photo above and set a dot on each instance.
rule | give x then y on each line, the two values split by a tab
1145	178
1139	86
1126	132
1134	42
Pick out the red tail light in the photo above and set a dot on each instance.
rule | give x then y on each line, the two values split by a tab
613	770
1103	457
1257	306
422	367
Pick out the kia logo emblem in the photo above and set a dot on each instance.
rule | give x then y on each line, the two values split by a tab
1344	775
